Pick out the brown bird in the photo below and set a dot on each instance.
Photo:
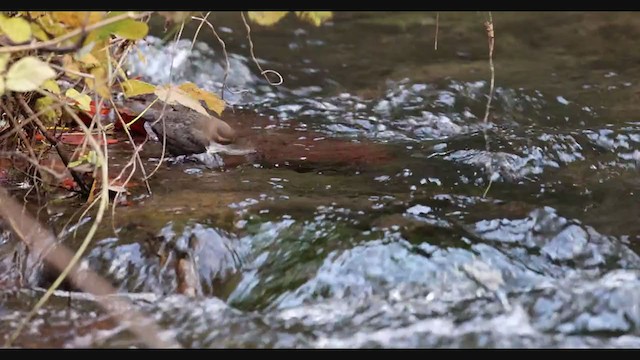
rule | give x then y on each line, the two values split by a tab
187	131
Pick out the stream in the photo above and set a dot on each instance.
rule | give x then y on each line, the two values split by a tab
365	224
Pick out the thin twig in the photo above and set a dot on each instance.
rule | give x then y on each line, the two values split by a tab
33	162
27	143
491	38
255	60
84	189
195	36
69	71
69	35
224	51
136	149
164	107
28	120
435	45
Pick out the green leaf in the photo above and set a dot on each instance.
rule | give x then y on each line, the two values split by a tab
49	114
128	28
76	163
84	101
133	87
4	59
17	29
28	74
131	30
38	33
317	18
52	86
266	18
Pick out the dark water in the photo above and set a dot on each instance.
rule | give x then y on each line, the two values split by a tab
403	253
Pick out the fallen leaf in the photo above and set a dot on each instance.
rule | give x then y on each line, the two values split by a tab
83	100
68	183
28	74
173	95
133	87
317	18
213	102
266	18
17	29
1	85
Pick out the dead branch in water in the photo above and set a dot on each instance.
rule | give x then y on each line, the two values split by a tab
43	243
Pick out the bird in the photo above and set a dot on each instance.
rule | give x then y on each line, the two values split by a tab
187	132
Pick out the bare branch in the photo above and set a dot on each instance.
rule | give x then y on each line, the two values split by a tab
43	242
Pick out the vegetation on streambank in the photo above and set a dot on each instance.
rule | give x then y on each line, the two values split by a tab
61	75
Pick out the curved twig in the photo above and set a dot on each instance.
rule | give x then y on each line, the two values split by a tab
253	55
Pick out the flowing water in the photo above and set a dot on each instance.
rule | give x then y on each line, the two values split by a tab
399	248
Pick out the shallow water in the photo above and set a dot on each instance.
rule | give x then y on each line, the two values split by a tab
403	251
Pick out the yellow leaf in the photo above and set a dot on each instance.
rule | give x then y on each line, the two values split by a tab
38	33
1	85
119	70
17	30
317	18
213	102
75	163
83	51
99	85
89	59
50	115
37	14
141	56
70	66
4	59
136	87
28	74
173	95
266	18
100	50
50	25
52	86
84	101
75	19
